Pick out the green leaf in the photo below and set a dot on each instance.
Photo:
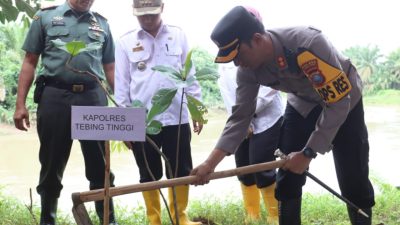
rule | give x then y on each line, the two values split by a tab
188	65
161	101
2	18
24	6
171	72
72	47
60	44
197	109
10	12
137	104
26	21
118	146
76	47
188	82
154	127
92	47
207	73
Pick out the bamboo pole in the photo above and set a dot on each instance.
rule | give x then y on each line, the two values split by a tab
106	201
96	195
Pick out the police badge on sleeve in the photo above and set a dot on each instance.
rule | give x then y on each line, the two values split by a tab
332	84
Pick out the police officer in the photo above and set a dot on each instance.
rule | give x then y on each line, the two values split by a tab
137	51
57	88
324	109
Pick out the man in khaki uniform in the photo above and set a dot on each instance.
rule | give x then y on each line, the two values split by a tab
324	109
57	88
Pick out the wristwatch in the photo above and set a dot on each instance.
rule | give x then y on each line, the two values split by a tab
309	153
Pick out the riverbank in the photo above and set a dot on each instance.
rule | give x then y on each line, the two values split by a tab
19	165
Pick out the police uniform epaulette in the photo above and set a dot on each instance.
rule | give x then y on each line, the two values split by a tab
99	15
49	7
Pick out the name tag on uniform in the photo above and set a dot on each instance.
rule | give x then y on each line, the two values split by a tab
332	84
137	49
58	21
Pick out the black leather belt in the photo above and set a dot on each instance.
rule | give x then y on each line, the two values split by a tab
75	87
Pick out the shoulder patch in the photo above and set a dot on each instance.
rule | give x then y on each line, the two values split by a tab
331	83
99	15
48	7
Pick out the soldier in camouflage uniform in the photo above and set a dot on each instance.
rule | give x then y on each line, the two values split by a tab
57	88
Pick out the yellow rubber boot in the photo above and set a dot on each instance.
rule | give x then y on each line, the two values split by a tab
271	204
182	198
153	206
251	201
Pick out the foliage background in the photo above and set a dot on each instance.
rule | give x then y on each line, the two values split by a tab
378	71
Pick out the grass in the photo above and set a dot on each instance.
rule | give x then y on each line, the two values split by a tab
322	209
384	97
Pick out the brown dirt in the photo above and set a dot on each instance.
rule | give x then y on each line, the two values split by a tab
204	221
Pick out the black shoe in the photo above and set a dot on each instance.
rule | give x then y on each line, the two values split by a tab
359	219
99	205
289	212
48	211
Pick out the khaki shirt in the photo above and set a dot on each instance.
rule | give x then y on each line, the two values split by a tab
286	75
63	23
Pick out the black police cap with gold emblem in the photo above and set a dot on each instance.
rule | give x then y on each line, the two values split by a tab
236	26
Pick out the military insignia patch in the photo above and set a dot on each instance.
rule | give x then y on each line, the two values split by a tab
331	83
58	21
58	18
96	28
313	73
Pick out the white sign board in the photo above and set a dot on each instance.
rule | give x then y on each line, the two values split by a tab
108	123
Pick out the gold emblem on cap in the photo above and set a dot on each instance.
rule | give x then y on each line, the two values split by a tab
141	66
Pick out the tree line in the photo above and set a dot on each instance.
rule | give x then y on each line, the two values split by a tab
378	71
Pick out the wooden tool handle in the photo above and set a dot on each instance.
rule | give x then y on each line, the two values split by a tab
96	195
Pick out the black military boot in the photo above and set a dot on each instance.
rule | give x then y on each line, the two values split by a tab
99	205
359	219
290	212
48	210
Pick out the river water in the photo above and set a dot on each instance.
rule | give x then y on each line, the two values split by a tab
19	163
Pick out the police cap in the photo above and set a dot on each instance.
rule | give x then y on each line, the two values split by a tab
236	26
